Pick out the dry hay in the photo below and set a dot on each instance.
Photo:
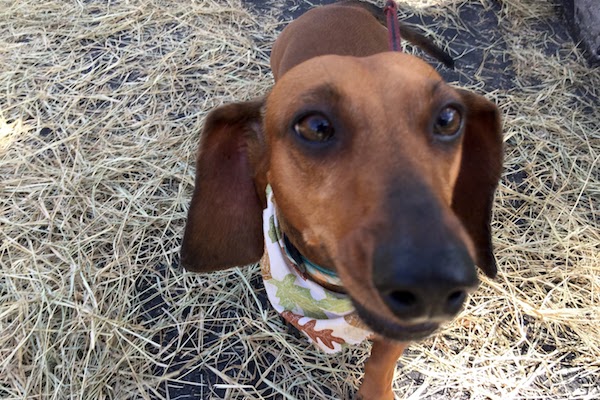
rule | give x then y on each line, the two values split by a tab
100	106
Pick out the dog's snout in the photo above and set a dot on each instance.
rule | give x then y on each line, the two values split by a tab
425	285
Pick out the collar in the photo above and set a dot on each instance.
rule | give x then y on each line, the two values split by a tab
323	276
325	316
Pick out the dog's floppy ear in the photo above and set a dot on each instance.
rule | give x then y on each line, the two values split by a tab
224	225
479	174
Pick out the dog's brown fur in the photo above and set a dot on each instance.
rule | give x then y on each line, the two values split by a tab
386	183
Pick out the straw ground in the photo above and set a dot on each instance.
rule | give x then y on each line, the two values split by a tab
101	104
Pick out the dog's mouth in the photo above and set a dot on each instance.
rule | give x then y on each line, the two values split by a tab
392	330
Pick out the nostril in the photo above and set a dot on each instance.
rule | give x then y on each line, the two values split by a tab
455	300
403	299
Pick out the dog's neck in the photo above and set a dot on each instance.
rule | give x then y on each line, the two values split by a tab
323	276
328	318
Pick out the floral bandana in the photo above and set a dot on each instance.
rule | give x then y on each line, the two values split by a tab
326	317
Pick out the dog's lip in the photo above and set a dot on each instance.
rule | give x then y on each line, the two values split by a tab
419	328
392	329
410	332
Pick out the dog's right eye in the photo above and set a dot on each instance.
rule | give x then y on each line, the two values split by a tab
448	122
314	127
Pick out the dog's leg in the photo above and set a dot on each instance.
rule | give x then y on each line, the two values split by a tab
379	370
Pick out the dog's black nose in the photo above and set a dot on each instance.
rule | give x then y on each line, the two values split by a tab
424	284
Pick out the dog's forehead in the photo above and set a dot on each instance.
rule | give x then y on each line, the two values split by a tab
389	76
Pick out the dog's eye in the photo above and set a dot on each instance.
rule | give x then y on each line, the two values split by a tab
314	127
448	122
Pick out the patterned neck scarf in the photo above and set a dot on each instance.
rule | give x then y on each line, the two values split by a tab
326	317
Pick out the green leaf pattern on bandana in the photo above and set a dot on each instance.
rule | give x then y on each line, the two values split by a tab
274	233
336	305
292	296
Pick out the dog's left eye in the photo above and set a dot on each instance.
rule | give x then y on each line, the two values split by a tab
448	122
314	127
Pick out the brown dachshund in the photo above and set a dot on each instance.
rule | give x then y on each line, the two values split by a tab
381	174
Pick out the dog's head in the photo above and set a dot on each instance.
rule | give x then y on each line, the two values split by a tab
380	170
